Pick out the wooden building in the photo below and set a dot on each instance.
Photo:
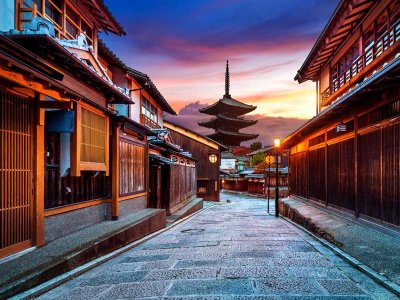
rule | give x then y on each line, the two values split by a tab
228	118
68	159
171	170
348	155
207	154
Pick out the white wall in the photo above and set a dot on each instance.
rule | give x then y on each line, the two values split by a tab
7	10
135	108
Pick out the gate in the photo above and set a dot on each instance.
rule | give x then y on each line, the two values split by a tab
16	133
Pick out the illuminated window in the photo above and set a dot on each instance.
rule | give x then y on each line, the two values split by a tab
94	137
213	158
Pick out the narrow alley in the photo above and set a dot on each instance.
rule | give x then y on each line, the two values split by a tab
227	251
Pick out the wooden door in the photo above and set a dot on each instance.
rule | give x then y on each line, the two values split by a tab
16	133
155	186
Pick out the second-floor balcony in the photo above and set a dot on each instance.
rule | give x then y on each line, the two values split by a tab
371	59
144	120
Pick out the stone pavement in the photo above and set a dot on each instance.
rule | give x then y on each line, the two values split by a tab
375	246
229	251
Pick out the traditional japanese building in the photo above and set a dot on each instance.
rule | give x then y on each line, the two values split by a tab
207	154
347	156
228	118
74	148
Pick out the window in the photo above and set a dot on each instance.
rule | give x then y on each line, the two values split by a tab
346	68
132	166
94	140
53	10
69	23
150	112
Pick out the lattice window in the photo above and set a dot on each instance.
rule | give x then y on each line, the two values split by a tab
94	138
68	22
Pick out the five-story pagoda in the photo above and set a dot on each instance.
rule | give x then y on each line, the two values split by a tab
228	120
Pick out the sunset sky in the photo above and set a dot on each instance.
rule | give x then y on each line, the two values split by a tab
183	46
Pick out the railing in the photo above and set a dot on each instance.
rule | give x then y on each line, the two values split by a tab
144	120
26	14
385	42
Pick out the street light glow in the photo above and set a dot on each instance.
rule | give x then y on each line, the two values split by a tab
277	142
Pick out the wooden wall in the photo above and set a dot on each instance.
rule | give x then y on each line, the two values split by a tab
181	185
358	172
16	171
207	173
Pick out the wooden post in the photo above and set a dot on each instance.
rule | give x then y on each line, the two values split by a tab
115	172
39	173
356	200
147	171
381	173
317	96
76	142
326	168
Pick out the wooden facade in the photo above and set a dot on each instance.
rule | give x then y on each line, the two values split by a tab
347	157
64	148
202	149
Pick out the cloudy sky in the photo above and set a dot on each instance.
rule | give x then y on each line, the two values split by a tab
183	45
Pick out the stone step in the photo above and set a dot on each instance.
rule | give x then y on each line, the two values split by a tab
71	251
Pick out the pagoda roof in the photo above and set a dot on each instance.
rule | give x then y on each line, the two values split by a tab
228	104
237	122
230	135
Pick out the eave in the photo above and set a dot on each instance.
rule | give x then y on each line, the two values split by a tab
104	16
338	29
228	105
48	48
142	79
134	126
173	126
220	119
232	135
25	73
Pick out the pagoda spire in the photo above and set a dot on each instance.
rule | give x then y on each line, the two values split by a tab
227	80
228	121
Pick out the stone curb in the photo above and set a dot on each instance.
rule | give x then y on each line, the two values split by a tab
382	280
57	281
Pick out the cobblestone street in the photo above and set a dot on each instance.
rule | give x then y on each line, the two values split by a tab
228	251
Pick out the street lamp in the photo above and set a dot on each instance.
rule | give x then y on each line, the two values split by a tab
277	144
268	160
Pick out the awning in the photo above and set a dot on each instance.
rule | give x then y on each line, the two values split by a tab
160	159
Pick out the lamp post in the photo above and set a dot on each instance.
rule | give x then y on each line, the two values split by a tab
268	159
277	144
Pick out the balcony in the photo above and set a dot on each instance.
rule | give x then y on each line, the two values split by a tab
144	120
364	65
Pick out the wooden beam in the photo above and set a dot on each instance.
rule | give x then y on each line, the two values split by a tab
30	84
57	105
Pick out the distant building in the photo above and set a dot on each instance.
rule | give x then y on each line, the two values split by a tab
228	120
206	153
347	156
